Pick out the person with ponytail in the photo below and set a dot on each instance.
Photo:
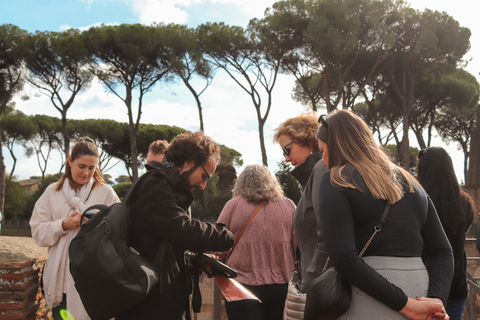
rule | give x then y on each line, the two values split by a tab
56	220
407	269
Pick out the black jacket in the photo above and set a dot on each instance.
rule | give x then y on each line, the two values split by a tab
161	231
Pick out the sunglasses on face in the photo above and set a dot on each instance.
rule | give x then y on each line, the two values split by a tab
286	152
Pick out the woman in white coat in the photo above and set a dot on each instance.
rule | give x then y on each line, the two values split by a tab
56	220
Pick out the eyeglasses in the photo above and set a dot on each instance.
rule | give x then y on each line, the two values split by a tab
208	175
286	152
323	120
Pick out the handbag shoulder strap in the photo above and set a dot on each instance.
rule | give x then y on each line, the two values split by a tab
244	227
377	229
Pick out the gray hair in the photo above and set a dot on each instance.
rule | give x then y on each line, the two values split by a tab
256	183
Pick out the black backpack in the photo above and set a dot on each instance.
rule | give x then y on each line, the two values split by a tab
110	276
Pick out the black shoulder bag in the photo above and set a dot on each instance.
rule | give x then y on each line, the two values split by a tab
328	296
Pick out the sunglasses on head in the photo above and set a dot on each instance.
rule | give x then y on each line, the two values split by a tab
86	139
323	120
286	152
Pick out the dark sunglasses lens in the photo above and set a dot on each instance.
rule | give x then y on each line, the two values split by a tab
286	152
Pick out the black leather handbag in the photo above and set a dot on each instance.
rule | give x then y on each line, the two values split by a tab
328	296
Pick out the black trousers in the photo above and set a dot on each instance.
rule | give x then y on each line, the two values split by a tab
56	312
273	298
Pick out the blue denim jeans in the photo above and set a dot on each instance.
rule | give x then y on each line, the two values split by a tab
455	309
273	298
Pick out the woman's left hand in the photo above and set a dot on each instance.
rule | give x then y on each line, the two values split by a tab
425	308
439	316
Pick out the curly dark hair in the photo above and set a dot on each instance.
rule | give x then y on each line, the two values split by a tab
192	146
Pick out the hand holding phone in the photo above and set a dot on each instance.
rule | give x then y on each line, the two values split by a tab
217	267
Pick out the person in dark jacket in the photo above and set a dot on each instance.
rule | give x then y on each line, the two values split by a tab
456	210
298	138
162	231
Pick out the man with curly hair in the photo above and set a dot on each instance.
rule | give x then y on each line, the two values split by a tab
161	230
156	150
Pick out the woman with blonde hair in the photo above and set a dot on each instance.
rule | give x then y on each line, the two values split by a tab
298	138
410	258
264	254
56	220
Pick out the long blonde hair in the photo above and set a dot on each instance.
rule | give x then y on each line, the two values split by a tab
350	143
256	183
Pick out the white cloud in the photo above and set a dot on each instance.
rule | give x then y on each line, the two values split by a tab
253	8
174	11
168	11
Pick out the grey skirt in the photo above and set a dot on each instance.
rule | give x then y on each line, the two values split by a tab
409	274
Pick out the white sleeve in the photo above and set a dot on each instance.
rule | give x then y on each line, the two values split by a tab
46	229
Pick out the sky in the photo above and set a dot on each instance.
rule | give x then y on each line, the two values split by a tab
229	116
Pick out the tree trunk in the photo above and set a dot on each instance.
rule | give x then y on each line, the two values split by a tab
261	125
472	177
133	136
66	138
197	100
2	182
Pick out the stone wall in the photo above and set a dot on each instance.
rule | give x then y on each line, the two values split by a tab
20	294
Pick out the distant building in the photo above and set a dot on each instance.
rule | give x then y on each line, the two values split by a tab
30	184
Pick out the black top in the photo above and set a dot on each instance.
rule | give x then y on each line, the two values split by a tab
412	229
459	288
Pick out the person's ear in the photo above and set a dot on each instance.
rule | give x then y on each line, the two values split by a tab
188	165
70	161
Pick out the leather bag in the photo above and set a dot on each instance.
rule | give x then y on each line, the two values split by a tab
295	303
328	296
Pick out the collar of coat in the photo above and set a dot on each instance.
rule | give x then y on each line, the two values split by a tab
302	172
183	195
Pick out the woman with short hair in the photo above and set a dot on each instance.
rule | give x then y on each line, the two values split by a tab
298	138
264	254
